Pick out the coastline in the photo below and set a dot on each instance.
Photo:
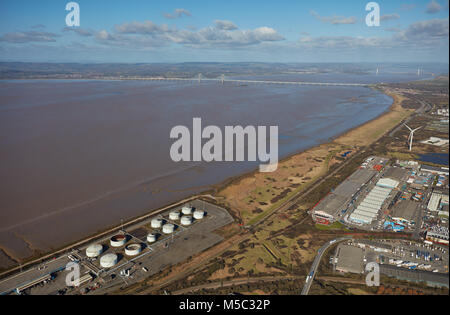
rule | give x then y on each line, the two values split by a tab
354	139
216	189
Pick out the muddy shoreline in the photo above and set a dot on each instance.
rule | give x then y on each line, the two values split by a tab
215	187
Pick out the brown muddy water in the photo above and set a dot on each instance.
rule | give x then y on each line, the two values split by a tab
79	156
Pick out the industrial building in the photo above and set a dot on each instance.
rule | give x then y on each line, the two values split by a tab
338	199
437	201
404	212
349	259
431	279
435	170
396	173
369	208
438	235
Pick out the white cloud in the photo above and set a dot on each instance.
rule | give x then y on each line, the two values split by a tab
223	33
225	25
388	17
427	34
178	13
433	7
29	36
147	27
335	20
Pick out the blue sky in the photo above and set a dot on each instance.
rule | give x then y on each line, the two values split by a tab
210	30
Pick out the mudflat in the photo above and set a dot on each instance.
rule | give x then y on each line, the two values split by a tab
79	156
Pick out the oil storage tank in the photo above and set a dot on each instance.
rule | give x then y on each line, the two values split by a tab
109	260
168	228
199	214
174	215
118	240
186	210
156	223
151	238
186	220
94	250
133	249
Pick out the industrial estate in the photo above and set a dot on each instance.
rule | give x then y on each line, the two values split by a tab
371	195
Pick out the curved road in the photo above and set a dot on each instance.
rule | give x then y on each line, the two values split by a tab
316	262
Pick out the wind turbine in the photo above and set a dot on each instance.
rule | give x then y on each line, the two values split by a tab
411	135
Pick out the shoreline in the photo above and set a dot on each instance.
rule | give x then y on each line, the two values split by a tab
214	191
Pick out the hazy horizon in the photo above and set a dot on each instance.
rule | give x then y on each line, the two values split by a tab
257	31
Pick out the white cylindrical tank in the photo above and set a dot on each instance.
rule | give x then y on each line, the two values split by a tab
174	215
186	210
186	220
168	228
156	223
109	260
94	250
199	214
151	238
133	249
118	240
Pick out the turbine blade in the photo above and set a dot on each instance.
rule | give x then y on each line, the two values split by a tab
408	127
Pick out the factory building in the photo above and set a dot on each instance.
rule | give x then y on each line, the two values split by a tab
349	259
404	213
437	201
435	170
369	208
387	183
438	235
338	200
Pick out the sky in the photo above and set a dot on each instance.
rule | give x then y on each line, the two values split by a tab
137	31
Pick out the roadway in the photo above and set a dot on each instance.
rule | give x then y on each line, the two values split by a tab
220	80
9	284
316	263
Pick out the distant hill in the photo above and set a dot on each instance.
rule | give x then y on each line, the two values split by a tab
23	70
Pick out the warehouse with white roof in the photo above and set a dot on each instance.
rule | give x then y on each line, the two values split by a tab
368	209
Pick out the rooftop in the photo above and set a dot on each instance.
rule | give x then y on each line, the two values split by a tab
405	209
350	259
396	173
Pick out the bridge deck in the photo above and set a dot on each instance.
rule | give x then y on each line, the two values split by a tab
245	81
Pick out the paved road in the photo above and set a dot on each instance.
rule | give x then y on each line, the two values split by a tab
223	80
9	284
316	263
421	110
